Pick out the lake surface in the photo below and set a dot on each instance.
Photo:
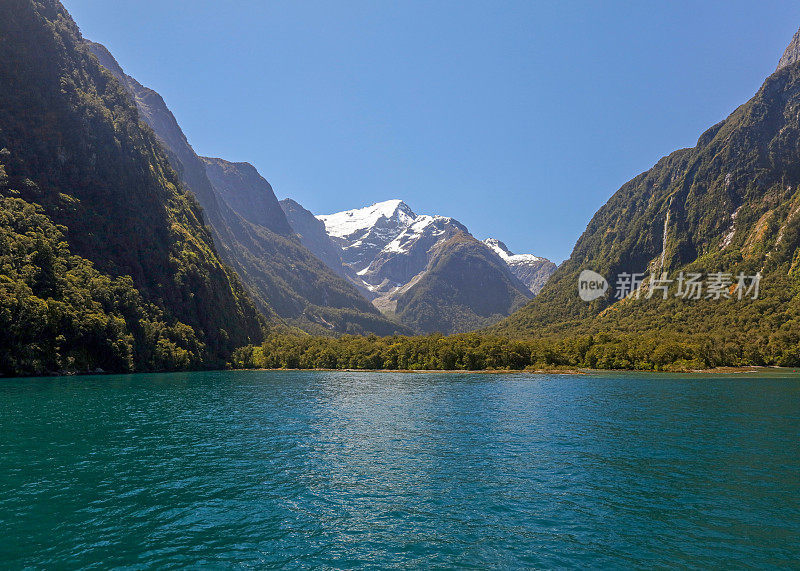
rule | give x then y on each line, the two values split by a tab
347	470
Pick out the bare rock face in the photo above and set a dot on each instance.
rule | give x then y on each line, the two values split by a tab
362	233
247	193
410	252
311	232
792	53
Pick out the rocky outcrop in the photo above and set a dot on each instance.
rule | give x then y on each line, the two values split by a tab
791	54
311	232
409	253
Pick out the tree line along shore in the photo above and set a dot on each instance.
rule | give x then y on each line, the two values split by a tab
478	352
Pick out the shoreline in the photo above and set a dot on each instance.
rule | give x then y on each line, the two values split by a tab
430	371
539	371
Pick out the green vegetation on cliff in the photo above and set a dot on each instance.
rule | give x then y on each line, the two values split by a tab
58	313
730	204
77	161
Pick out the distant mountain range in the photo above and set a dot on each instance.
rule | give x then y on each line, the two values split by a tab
395	257
532	270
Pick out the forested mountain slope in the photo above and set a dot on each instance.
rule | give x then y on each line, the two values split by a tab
105	258
729	205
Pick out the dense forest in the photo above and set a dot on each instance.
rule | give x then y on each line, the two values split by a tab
652	351
644	333
58	313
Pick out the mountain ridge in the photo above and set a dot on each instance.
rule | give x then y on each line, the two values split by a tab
464	286
392	227
792	53
531	270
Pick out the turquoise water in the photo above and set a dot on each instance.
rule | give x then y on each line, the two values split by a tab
347	470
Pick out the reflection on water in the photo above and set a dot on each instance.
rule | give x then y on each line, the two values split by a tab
397	470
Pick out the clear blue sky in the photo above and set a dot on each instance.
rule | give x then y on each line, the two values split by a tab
519	119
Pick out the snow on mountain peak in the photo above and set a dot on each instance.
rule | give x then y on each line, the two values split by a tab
498	247
386	245
351	222
403	242
502	250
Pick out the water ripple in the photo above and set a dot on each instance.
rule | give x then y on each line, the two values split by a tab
350	470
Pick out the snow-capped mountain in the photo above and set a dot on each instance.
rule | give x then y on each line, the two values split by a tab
364	232
532	270
409	253
427	265
387	244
